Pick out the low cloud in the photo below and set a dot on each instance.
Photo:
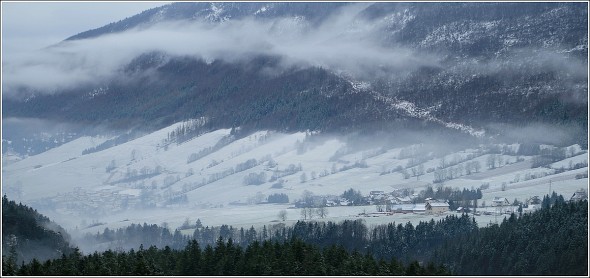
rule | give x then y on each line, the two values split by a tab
343	43
537	132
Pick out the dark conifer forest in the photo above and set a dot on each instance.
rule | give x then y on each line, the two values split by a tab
27	234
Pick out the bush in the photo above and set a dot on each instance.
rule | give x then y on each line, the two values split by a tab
255	179
278	198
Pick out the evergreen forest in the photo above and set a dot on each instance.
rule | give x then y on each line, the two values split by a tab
550	241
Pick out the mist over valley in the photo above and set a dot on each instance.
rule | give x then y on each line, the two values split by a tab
200	120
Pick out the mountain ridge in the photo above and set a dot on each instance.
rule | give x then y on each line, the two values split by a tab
491	65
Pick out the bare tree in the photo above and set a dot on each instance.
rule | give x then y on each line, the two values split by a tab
421	169
283	215
460	170
468	167
443	162
405	173
476	166
310	212
303	177
491	161
304	213
379	206
414	171
307	197
322	212
259	197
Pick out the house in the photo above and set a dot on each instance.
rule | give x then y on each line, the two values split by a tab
344	202
500	202
463	209
531	208
579	195
419	208
407	208
331	203
377	195
390	200
436	207
404	200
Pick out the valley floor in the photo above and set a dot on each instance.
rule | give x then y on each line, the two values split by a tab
267	214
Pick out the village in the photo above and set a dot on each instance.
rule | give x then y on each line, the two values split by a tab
94	202
388	203
107	200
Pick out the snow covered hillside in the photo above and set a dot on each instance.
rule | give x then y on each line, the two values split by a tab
226	180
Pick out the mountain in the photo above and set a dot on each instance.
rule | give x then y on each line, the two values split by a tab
298	99
215	12
485	65
238	113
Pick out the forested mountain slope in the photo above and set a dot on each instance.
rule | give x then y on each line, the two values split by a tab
482	65
27	234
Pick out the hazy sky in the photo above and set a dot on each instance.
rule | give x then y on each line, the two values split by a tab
34	25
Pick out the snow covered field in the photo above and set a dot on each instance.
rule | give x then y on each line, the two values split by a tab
144	180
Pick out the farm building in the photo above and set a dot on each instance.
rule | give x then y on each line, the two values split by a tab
436	207
406	208
500	202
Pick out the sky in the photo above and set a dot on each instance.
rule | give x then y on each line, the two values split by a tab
34	25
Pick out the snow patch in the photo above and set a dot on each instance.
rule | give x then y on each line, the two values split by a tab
261	10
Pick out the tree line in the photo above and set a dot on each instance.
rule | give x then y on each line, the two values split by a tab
27	234
525	244
287	258
551	241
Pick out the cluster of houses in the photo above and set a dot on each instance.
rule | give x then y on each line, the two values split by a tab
401	201
394	202
502	205
397	203
428	207
88	202
385	202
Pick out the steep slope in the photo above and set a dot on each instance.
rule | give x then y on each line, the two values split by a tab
228	95
29	235
215	13
490	66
